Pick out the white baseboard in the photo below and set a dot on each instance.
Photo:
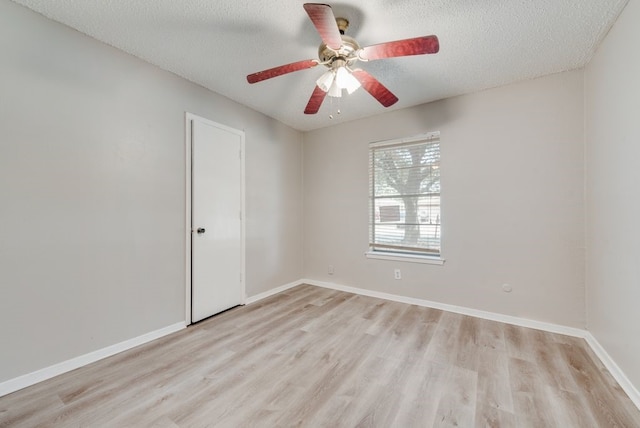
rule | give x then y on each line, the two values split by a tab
32	378
508	319
614	369
271	292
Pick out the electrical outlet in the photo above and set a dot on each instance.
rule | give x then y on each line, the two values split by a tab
397	274
330	270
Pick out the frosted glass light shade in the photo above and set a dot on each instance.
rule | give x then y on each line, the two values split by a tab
345	80
335	90
325	81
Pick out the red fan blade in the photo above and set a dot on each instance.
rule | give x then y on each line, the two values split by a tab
375	88
279	71
322	17
417	46
317	97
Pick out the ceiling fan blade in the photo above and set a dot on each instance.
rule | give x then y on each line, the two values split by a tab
416	46
322	17
317	97
375	88
279	71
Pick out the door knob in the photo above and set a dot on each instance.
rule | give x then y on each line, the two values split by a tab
201	230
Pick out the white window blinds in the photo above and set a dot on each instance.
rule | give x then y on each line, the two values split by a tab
404	196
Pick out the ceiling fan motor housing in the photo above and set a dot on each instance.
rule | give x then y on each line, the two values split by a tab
347	52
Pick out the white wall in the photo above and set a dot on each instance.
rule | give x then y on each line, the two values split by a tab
613	202
512	201
92	191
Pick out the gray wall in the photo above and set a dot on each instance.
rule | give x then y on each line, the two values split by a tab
92	191
512	201
613	205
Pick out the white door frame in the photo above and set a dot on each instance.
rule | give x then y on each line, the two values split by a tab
189	117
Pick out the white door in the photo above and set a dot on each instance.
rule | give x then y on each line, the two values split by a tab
216	218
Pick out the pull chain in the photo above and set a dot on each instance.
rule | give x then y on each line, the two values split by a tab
331	107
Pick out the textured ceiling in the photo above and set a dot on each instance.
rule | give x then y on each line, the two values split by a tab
216	43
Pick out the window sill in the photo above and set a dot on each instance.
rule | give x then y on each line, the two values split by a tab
411	258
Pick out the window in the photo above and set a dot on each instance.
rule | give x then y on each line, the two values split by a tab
404	197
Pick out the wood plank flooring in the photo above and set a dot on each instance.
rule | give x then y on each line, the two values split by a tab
314	357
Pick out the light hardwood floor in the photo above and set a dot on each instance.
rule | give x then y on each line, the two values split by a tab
321	358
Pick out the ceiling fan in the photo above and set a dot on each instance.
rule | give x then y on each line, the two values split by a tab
339	53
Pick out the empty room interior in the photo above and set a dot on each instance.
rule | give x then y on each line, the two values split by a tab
187	240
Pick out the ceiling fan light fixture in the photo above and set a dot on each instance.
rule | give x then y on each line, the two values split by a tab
325	81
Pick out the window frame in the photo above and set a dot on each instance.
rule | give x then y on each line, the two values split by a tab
390	254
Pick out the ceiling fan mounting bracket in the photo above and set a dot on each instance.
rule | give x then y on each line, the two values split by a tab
343	24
